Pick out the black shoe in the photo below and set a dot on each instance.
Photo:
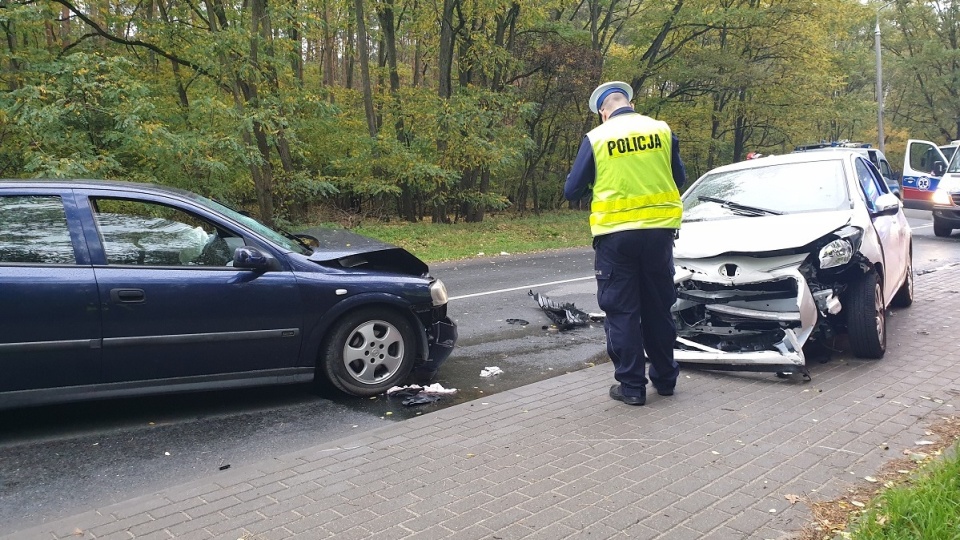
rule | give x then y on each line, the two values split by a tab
617	394
665	391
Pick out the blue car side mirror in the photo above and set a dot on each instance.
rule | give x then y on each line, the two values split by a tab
253	259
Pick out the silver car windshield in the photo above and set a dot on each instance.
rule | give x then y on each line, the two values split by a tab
786	188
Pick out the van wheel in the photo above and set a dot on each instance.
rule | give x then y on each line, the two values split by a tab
940	228
368	351
866	317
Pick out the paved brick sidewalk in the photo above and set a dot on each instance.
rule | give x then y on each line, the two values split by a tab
559	459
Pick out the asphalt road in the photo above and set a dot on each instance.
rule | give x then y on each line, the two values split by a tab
58	461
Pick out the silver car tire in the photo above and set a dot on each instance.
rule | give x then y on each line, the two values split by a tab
866	317
904	296
368	351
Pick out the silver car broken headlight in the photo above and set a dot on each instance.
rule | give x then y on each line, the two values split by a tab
840	250
836	253
438	293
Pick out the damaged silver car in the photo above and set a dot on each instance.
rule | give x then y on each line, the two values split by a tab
782	251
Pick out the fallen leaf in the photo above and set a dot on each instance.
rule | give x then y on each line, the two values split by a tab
858	504
794	499
882	520
714	452
78	532
923	443
870	479
773	510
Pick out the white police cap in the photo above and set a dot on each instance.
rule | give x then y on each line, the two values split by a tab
605	89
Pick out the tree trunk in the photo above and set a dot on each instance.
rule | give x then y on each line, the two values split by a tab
296	55
328	53
365	69
445	67
407	203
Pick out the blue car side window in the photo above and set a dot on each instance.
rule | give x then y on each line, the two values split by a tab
33	229
143	233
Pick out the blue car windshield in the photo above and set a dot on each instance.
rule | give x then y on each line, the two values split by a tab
257	227
784	188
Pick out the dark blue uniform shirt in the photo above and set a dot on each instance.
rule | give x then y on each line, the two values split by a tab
584	171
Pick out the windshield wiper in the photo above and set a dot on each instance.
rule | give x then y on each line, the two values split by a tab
298	238
748	210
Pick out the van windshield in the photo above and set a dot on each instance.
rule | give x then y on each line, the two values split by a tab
954	166
948	151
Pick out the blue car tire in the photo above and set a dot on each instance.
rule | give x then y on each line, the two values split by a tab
368	351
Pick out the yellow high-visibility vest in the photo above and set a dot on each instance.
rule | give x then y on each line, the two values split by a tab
634	186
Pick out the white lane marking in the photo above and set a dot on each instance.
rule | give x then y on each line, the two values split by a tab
921	226
520	288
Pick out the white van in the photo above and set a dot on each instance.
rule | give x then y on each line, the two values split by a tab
864	149
946	200
924	163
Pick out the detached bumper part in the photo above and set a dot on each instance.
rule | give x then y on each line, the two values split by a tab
827	302
441	339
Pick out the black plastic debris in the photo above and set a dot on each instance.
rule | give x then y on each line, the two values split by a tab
521	322
420	399
564	315
224	467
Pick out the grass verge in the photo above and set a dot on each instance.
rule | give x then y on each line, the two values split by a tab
496	234
916	497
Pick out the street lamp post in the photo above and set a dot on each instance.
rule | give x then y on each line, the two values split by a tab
876	46
879	85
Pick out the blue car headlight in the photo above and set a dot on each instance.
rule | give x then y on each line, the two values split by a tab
438	293
840	250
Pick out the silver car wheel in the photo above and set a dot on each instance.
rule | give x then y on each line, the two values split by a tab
373	352
879	311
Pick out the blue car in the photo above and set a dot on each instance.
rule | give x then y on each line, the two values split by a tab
114	289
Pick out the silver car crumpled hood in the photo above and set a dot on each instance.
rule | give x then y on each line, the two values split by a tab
760	234
742	302
348	249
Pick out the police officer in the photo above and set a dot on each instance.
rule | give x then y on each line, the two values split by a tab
631	162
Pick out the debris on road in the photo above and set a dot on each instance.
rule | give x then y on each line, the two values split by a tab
404	391
420	399
521	322
490	371
439	390
415	394
564	315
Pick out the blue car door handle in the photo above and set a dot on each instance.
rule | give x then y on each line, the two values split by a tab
129	296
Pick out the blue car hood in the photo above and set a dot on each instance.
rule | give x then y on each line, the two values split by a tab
351	250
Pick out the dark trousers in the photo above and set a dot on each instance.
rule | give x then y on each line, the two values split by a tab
635	289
